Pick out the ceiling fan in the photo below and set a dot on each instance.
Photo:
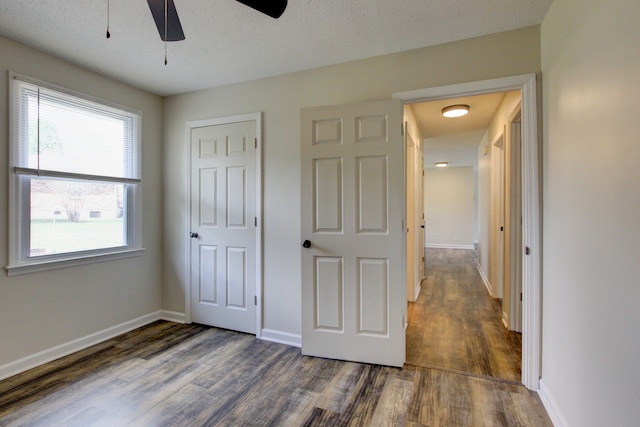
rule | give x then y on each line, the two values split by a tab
166	16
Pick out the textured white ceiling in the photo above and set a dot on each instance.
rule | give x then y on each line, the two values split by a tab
227	42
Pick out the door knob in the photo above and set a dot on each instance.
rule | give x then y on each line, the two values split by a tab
193	235
306	244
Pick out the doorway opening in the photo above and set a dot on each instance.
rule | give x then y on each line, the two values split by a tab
499	214
457	322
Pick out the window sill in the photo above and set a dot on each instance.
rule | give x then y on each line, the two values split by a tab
33	267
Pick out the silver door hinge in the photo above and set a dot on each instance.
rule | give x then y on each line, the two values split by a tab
255	142
255	300
255	221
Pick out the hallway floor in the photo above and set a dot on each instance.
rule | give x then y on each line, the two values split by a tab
456	325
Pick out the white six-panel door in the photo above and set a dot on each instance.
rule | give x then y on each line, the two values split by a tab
223	226
353	272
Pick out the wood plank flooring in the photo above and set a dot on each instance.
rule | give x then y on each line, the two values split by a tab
455	324
168	374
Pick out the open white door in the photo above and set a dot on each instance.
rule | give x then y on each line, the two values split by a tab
223	225
353	267
497	220
410	198
420	189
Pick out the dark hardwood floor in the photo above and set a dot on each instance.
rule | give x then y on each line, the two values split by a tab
456	325
168	374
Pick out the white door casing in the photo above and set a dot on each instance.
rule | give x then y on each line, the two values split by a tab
352	203
224	248
531	231
515	225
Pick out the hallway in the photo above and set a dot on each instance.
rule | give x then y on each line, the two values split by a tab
455	324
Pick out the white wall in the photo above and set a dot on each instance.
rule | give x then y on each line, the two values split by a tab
280	99
43	310
591	281
449	207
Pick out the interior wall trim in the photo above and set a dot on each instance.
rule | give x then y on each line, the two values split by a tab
281	337
448	246
485	279
505	321
173	316
418	289
552	407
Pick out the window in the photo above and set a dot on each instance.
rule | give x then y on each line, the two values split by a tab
74	176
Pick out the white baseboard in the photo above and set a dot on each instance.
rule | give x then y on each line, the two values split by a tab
280	337
485	280
505	320
17	366
448	246
551	406
173	316
418	289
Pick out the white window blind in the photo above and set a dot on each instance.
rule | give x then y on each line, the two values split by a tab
64	135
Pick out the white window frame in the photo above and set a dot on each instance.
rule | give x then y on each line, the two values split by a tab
19	197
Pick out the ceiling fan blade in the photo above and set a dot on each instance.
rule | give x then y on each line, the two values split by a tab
174	28
273	8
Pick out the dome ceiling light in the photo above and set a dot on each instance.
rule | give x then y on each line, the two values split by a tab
458	110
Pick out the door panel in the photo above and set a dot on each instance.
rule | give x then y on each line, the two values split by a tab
236	278
351	204
207	195
236	197
373	291
223	255
372	183
208	274
328	294
327	190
